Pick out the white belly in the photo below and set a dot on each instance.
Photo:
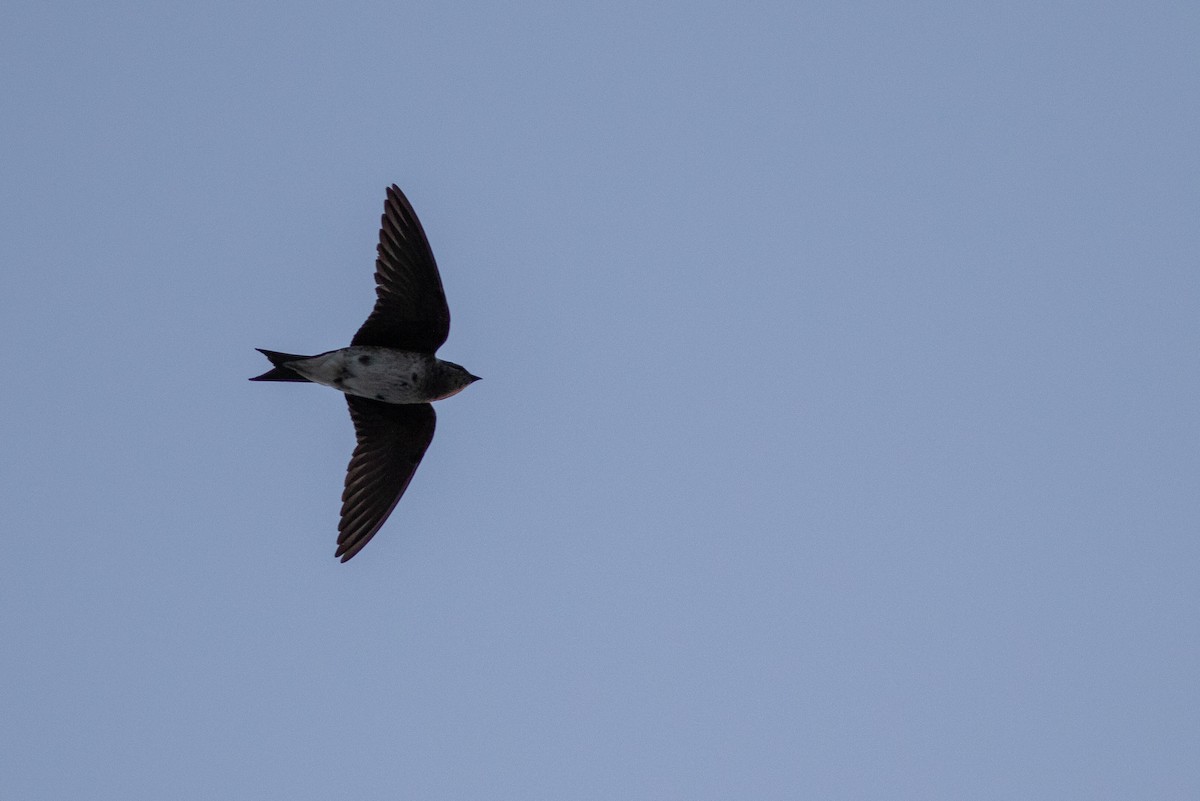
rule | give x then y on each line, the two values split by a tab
392	376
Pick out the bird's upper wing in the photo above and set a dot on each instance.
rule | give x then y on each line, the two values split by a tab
392	438
410	306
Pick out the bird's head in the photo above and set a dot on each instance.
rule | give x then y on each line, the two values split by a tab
452	379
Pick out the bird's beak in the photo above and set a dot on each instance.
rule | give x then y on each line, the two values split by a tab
474	378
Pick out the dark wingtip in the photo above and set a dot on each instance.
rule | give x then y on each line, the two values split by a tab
346	552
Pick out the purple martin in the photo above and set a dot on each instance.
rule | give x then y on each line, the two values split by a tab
389	374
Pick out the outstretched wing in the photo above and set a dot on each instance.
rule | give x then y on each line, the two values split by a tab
410	305
392	438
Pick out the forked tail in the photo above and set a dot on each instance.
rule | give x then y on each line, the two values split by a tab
279	372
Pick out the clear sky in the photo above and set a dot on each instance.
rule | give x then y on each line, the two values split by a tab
838	437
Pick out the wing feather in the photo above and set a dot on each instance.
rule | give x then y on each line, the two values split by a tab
410	310
392	439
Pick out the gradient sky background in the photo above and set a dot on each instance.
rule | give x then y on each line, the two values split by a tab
838	437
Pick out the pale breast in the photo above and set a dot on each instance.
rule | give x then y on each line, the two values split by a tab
392	376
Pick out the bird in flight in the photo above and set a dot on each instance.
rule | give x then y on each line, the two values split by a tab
389	375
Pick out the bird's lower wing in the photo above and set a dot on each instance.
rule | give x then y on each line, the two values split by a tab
392	438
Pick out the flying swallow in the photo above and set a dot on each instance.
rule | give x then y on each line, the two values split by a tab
389	374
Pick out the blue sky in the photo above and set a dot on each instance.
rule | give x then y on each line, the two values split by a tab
838	436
